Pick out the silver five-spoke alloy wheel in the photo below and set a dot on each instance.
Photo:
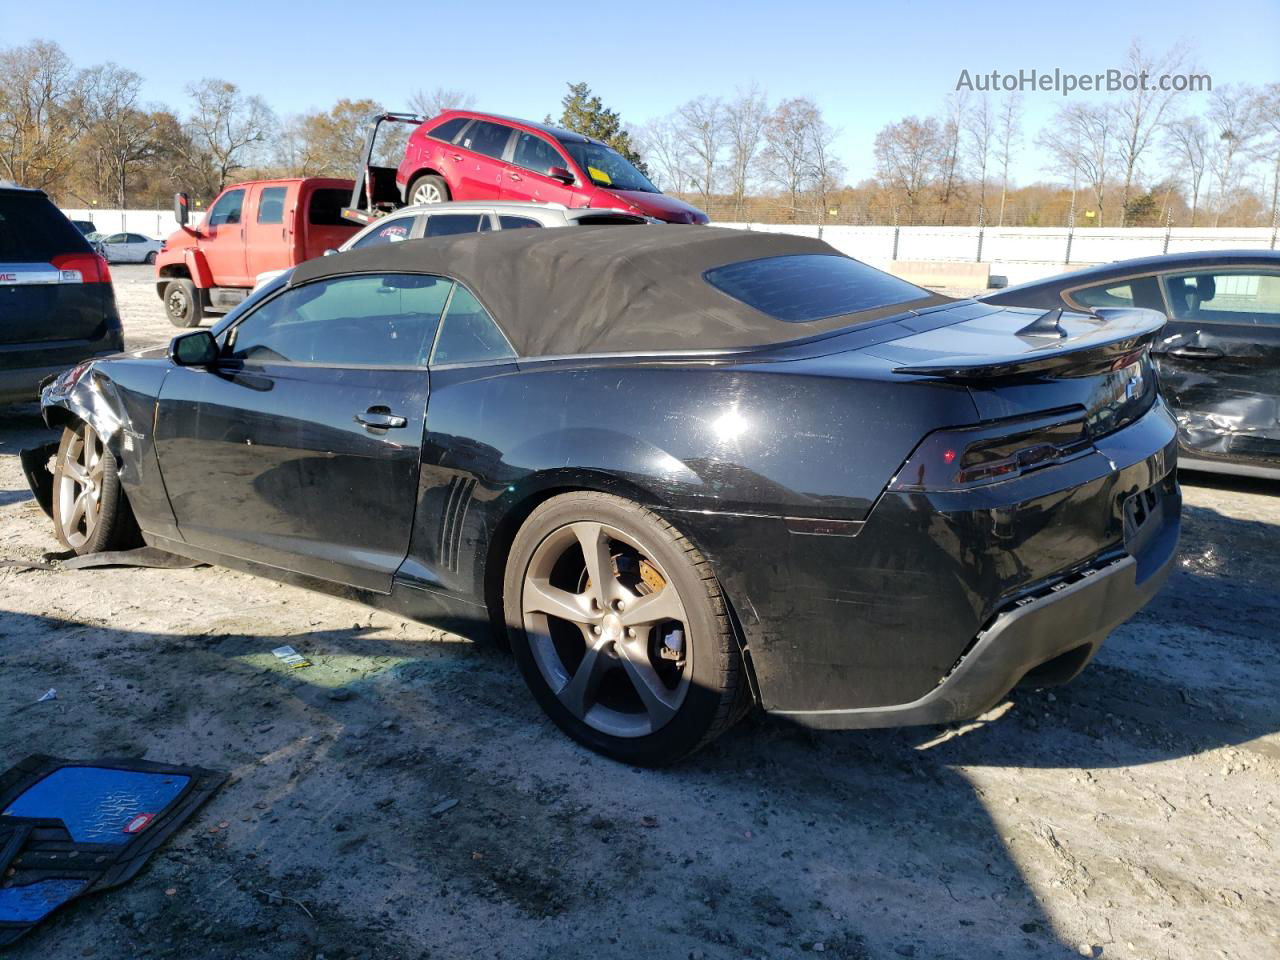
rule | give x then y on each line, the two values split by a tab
607	629
80	488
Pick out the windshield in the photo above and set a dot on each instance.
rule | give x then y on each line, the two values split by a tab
608	168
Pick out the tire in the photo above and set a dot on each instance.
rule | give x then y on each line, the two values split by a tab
151	257
602	677
182	303
429	186
90	512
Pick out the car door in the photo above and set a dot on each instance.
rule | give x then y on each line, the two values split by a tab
115	247
300	447
1219	361
267	245
479	175
526	178
222	240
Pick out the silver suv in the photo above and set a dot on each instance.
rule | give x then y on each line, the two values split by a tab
476	216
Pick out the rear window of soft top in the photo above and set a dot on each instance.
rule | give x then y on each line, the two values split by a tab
33	230
806	287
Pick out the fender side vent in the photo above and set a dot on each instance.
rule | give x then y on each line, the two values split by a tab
457	499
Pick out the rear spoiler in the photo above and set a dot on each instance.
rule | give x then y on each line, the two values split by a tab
1085	345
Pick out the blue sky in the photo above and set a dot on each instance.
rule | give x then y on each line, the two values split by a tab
865	63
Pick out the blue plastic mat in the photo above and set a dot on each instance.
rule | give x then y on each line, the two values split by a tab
97	804
69	828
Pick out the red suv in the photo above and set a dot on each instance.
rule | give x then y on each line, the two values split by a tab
462	155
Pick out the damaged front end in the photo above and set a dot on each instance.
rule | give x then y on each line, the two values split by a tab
115	396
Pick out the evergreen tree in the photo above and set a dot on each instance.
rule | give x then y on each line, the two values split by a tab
583	112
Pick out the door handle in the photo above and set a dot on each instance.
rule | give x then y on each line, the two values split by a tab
1196	353
380	418
455	156
515	176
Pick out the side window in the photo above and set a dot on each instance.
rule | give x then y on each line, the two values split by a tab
487	138
517	223
534	153
469	333
448	130
271	204
391	231
1228	297
227	209
324	209
117	238
386	320
447	224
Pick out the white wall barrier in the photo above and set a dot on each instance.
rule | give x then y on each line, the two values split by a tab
1016	254
157	224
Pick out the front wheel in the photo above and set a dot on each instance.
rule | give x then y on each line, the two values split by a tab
620	629
90	512
182	303
151	257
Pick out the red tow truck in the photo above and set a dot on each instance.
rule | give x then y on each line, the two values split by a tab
250	228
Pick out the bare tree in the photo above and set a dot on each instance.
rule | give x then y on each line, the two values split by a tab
1008	138
785	157
119	132
826	168
37	128
1186	143
430	103
702	124
906	158
951	131
1234	126
745	118
1140	115
226	126
980	132
1268	109
1081	140
665	152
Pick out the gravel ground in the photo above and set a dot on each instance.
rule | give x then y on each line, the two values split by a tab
404	798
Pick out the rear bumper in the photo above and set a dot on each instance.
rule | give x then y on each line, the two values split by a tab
24	366
1068	620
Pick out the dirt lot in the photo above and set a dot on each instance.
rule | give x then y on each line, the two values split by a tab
404	798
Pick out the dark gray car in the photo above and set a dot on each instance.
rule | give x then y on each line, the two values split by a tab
1219	356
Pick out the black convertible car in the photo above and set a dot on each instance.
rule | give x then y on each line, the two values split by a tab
1219	357
681	471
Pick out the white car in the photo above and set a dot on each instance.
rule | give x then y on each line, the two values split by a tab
475	216
128	248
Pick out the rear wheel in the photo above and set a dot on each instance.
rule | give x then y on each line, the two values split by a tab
620	629
182	303
90	513
429	188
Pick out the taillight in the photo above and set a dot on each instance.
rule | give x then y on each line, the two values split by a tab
972	456
82	268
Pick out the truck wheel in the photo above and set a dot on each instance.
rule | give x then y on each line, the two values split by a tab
182	303
429	188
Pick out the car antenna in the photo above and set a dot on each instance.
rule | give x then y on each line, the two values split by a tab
1048	324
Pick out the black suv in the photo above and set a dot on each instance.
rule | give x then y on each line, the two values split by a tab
57	306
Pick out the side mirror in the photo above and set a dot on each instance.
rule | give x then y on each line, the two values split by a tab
182	209
195	349
561	174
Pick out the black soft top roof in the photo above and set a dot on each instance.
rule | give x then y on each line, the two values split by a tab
624	289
